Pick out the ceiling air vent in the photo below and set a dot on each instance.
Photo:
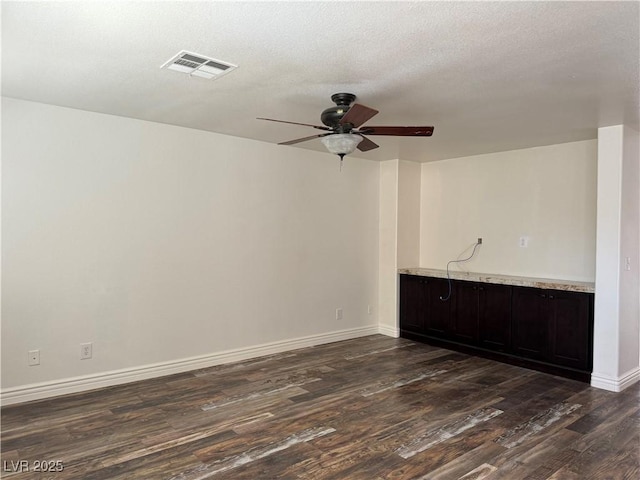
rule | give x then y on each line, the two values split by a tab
198	65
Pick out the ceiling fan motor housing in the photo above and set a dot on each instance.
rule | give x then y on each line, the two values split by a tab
344	122
331	116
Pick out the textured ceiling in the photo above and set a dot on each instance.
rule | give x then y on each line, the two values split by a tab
490	76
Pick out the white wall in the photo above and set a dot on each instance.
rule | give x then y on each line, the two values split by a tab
630	248
159	243
545	193
616	353
606	351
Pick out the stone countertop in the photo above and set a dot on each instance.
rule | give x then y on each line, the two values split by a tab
550	283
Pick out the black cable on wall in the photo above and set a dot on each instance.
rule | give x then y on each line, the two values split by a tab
479	242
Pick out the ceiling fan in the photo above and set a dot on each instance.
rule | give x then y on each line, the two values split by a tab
344	127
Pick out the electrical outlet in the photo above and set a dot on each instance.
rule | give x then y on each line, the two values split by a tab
479	240
524	242
86	351
627	263
338	314
370	310
34	357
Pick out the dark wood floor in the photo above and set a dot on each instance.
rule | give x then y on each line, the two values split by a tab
371	408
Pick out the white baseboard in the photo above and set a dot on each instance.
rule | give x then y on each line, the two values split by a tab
615	384
38	391
389	331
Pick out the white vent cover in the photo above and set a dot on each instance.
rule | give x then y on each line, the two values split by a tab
198	65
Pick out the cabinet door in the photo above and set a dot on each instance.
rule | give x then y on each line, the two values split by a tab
570	329
530	335
436	311
412	303
494	317
464	315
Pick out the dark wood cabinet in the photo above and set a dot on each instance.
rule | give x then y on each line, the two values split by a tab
465	309
421	310
554	326
481	314
549	330
570	337
494	317
437	313
412	303
530	338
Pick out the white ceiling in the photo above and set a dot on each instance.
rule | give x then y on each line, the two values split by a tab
490	76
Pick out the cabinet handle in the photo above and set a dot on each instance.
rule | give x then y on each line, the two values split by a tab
551	297
474	287
543	295
480	288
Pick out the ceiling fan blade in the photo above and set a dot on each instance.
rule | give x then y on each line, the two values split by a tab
299	140
295	123
357	115
365	145
398	131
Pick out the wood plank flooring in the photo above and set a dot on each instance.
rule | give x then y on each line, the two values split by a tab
371	408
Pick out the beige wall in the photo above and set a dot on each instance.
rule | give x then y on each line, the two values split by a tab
388	254
399	234
157	243
408	214
547	194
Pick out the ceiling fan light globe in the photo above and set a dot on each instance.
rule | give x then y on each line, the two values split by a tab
341	143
